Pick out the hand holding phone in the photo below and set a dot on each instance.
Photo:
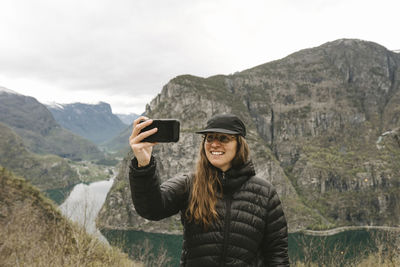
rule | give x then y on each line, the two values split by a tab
141	150
147	133
168	131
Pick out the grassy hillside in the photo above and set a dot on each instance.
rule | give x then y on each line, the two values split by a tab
34	123
34	233
44	171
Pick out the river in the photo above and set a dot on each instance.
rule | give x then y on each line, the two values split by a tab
84	203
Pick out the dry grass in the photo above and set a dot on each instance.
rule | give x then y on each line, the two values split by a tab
387	253
373	260
143	253
34	233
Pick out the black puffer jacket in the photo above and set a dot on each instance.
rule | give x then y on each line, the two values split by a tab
251	230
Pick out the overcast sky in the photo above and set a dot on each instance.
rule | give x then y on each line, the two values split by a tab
124	51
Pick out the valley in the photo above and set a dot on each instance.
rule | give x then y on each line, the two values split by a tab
323	128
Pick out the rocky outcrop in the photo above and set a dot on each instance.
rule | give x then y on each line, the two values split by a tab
314	120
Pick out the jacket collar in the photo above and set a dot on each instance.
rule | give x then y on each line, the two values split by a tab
233	178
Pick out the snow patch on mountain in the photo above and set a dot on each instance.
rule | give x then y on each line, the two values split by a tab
7	91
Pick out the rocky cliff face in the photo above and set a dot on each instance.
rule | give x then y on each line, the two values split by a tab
323	128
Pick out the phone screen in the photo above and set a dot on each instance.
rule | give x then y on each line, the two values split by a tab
168	131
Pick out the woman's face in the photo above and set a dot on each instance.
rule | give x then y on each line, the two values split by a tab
220	149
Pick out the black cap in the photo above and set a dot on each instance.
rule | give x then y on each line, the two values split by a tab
225	123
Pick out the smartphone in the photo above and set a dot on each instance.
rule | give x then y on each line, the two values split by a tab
168	131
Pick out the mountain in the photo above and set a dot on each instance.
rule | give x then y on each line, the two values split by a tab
118	144
34	233
43	171
7	91
40	132
323	127
128	118
93	122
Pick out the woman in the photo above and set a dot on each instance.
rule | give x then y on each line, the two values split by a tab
230	216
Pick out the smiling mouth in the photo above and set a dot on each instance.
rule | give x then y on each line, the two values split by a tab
217	153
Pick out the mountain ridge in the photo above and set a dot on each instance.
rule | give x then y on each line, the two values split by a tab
313	117
41	133
95	122
128	118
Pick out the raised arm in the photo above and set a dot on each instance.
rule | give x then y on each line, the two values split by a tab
152	200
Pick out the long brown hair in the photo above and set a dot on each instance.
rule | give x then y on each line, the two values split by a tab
204	190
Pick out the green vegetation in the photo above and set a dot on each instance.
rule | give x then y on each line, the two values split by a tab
62	143
41	134
212	88
303	89
108	162
350	185
53	175
91	171
43	171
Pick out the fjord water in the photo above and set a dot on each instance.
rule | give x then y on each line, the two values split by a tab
84	203
342	248
130	239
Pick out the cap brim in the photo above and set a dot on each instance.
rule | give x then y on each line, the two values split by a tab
217	130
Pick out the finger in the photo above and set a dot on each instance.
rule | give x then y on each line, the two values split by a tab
140	119
145	134
139	125
138	138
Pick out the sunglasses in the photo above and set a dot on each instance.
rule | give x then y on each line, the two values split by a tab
222	138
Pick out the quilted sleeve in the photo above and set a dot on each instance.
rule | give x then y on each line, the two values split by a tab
276	234
152	200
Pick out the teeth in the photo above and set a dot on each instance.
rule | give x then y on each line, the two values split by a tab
217	153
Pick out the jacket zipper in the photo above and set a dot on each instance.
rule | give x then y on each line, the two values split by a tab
223	179
227	225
